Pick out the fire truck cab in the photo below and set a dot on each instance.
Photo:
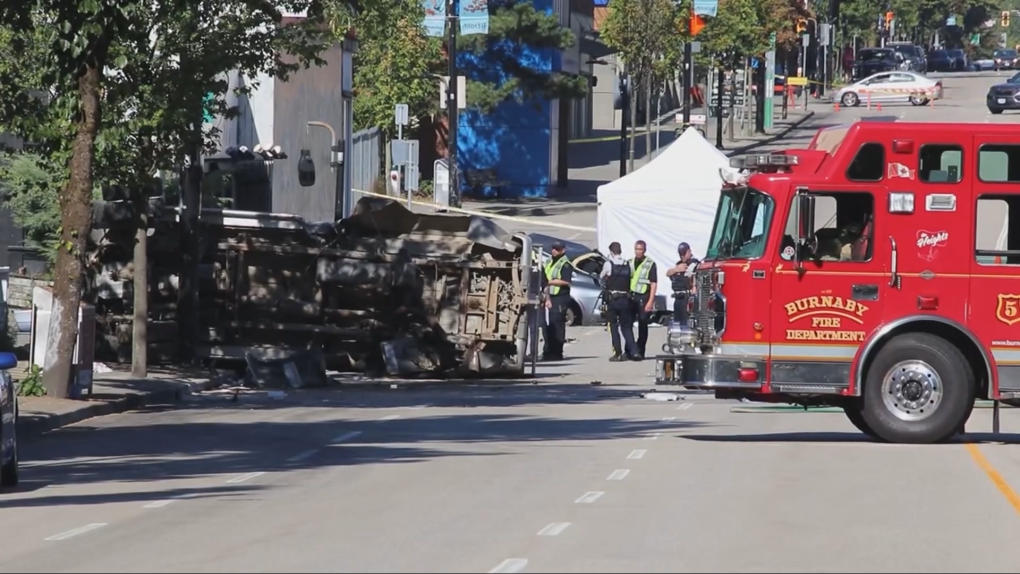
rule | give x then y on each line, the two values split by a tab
878	271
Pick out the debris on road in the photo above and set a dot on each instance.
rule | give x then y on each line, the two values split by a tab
661	397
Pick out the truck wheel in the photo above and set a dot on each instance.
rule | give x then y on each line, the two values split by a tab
9	472
854	414
918	390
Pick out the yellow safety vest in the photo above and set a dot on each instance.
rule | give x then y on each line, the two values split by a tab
640	278
554	270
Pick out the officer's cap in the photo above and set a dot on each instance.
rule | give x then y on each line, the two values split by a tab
683	248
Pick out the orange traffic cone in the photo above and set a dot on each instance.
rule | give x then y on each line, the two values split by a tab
835	107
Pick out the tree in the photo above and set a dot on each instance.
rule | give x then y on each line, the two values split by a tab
133	77
394	64
515	28
642	32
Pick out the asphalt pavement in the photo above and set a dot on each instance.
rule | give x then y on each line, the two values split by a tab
572	470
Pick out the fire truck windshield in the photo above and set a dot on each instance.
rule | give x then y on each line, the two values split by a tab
741	224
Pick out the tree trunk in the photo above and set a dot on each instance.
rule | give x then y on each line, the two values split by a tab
140	330
633	122
75	223
648	118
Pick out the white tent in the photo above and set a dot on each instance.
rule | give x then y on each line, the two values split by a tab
671	199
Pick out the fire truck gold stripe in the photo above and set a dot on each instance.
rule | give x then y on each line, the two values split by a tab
745	349
1006	357
814	352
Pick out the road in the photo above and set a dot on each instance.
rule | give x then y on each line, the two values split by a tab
570	471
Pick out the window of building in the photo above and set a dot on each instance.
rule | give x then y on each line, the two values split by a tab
999	163
844	228
940	163
868	164
997	233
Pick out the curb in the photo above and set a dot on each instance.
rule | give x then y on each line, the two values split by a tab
33	425
541	210
772	138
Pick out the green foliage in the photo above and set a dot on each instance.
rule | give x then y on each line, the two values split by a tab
32	385
394	64
516	26
30	184
646	32
739	29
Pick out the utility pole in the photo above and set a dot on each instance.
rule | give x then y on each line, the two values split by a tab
719	108
688	68
451	99
624	110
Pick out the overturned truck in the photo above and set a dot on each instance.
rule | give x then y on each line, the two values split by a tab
385	291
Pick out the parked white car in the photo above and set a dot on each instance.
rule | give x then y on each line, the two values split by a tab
890	87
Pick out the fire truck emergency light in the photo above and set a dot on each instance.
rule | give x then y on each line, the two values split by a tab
901	202
753	161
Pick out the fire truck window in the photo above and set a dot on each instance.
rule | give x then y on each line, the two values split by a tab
938	163
843	227
996	236
868	164
999	163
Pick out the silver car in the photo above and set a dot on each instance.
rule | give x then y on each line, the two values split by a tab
885	87
8	422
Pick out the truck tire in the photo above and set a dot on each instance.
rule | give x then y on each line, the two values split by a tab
918	390
9	472
854	414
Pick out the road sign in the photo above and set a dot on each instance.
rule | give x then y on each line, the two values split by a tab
706	7
823	34
400	114
805	40
796	80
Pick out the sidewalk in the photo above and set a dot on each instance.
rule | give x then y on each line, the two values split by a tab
113	392
595	161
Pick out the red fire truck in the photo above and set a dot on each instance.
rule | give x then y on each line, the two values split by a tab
878	270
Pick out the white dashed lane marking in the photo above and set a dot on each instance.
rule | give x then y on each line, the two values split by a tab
636	454
554	529
510	566
244	477
589	497
619	474
76	531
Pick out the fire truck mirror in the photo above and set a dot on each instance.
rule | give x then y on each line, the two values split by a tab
806	217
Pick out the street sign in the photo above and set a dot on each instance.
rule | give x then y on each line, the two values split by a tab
404	151
400	114
411	177
951	21
823	34
695	47
461	92
805	40
706	7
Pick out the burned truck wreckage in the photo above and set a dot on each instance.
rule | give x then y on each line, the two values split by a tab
383	292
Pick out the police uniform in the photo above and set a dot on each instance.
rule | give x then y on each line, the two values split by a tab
643	273
559	298
681	283
618	310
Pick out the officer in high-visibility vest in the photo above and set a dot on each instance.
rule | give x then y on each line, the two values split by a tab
643	283
615	277
557	273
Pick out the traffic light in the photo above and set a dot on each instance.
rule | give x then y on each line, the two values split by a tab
801	25
889	18
1005	18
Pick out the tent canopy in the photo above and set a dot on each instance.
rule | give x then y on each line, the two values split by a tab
671	199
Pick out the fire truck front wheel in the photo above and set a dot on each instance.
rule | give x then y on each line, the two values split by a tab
918	389
856	416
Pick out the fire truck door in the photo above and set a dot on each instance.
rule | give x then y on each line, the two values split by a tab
993	312
822	311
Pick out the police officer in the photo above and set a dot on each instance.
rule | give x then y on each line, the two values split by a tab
680	278
643	283
616	283
558	272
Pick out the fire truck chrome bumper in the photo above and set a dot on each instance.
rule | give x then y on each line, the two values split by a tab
708	371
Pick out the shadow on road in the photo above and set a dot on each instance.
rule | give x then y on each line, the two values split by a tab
209	439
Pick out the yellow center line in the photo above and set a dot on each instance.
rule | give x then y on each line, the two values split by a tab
994	476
